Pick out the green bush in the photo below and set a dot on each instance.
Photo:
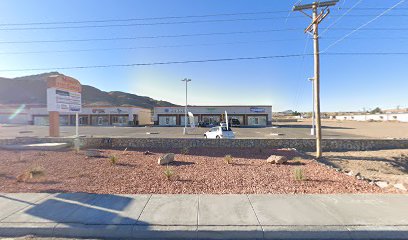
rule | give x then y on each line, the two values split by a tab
228	159
299	174
185	150
113	160
168	173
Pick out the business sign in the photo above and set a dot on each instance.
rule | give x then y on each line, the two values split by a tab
63	94
174	110
109	111
257	110
63	101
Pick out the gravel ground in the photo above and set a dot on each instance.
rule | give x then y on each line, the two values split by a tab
382	165
201	171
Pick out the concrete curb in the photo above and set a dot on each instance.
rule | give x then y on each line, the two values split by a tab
37	146
202	232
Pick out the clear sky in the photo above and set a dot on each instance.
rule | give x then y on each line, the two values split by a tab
348	82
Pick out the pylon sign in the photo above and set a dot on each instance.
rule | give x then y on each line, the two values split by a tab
63	96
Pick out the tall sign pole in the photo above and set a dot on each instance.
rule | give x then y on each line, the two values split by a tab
185	108
317	17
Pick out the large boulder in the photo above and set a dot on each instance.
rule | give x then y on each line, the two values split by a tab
166	159
93	153
276	159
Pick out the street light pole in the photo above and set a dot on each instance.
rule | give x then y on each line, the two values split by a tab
185	109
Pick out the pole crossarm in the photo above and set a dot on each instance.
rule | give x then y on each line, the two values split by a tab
315	5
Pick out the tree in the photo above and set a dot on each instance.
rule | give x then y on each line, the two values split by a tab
376	110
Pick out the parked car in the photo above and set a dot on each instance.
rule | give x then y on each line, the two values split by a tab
219	132
207	124
234	122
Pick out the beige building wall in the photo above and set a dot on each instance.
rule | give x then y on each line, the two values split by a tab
144	117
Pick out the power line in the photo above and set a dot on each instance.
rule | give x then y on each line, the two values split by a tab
202	61
365	24
141	19
338	19
157	23
153	63
184	45
149	37
140	24
148	47
189	35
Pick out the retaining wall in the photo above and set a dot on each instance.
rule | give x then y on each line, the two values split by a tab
299	144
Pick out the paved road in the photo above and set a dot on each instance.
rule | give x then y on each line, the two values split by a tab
282	131
80	215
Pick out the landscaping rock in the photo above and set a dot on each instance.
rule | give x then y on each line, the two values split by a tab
93	153
381	184
166	159
401	186
276	159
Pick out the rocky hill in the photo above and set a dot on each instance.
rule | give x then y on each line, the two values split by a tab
31	90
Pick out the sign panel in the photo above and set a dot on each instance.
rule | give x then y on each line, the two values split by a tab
63	101
63	94
257	109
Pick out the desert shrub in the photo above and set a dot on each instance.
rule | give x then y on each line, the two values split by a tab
42	154
168	173
34	172
185	150
228	159
299	174
113	160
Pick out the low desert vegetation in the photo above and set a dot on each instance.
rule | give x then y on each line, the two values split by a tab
228	159
299	174
185	150
168	173
32	173
113	160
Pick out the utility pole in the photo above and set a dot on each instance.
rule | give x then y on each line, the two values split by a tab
313	29
185	109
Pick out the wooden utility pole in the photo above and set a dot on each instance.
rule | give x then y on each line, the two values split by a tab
313	29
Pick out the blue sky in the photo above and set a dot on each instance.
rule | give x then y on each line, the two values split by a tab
348	82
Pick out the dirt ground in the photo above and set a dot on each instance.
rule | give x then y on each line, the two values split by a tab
383	165
201	171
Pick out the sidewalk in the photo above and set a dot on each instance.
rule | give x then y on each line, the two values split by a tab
81	215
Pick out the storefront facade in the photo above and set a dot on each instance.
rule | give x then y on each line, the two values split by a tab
247	115
97	116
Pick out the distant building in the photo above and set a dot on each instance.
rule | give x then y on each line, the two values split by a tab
401	117
92	116
246	115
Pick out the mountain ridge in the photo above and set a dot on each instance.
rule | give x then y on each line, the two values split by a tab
31	90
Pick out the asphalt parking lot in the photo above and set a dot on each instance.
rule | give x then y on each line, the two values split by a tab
331	129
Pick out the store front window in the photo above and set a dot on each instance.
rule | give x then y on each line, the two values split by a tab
100	120
188	121
119	120
167	120
257	120
211	119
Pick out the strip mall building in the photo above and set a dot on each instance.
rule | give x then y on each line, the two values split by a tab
247	115
92	116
